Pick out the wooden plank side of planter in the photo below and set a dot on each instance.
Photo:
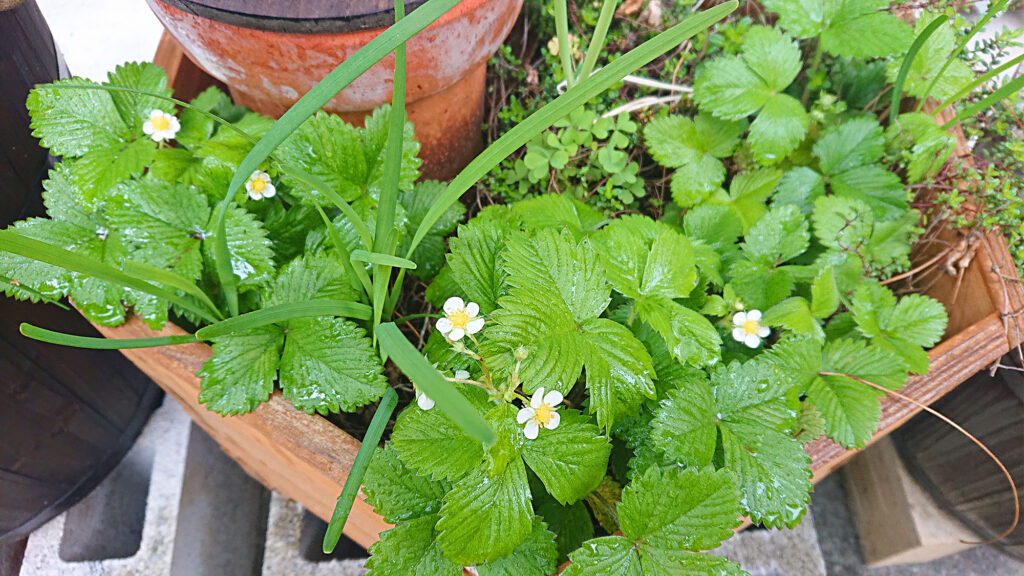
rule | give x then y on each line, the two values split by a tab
302	456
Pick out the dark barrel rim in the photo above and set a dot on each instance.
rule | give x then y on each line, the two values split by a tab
298	17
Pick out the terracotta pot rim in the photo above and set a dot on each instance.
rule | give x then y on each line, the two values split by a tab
340	18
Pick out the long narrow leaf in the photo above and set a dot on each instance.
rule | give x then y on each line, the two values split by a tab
324	188
359	466
11	241
430	381
382	259
168	278
283	313
969	88
561	106
908	60
312	101
44	335
1004	91
597	40
564	48
356	275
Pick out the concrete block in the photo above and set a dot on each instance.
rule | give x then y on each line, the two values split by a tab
294	548
777	552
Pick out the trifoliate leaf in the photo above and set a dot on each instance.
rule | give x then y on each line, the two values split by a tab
734	87
680	510
432	444
486	518
474	261
602	556
646	258
904	328
689	335
892	240
397	493
71	122
197	127
851	28
933	56
695	148
619	370
429	255
850	408
410	549
570	460
134	108
780	235
748	193
551	262
240	375
329	365
534	557
558	212
749	407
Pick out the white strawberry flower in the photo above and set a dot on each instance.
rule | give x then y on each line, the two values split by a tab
459	319
258	186
540	413
747	328
161	126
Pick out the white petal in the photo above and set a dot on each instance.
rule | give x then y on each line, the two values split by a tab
255	195
461	375
473	309
155	113
555	419
147	128
444	325
538	398
553	398
764	331
754	315
269	191
175	126
525	414
248	185
531	429
157	137
752	341
739	318
739	334
453	304
424	402
456	334
474	325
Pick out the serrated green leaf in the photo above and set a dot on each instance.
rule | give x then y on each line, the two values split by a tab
483	518
778	130
877	187
689	335
252	259
800	187
429	255
134	108
904	328
619	370
534	557
646	258
571	459
474	262
780	235
558	212
431	443
842	223
824	294
852	144
397	493
98	171
679	510
551	262
694	147
851	28
71	122
748	193
240	375
602	556
684	426
658	562
410	549
794	314
759	287
310	277
328	365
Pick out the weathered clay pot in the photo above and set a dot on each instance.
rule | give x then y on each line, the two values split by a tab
271	53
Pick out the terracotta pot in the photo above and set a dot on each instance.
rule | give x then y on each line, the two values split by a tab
269	59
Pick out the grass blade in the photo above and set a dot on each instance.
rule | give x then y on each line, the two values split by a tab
51	337
564	48
312	101
35	293
604	20
540	120
356	274
15	243
359	466
324	188
382	259
283	313
430	381
1004	91
908	60
168	278
977	82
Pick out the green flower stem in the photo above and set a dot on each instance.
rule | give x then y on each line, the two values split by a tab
564	48
597	41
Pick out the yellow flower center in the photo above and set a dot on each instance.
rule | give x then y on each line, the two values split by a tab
543	415
459	318
751	327
161	123
259	184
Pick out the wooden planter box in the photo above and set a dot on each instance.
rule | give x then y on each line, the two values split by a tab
306	458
